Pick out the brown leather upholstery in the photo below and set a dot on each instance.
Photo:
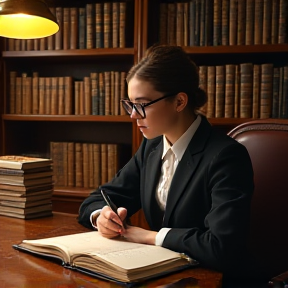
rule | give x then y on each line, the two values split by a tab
267	143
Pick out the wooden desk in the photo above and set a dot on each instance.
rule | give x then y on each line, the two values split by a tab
18	269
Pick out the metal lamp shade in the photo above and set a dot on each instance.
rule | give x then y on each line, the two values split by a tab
26	19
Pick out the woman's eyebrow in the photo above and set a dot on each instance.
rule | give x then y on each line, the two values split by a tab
139	99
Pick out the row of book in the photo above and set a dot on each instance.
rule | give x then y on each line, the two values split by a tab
223	22
97	25
26	187
245	91
86	165
97	94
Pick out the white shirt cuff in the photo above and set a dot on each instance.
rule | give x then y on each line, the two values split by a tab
91	217
160	236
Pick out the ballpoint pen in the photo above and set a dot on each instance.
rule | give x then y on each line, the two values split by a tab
111	205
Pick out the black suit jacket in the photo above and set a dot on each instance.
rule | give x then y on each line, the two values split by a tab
208	204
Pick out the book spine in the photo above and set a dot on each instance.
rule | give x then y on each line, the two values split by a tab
12	92
107	25
59	34
225	22
241	22
171	28
246	90
163	23
66	28
249	29
283	17
89	26
18	104
97	164
258	24
211	86
47	95
99	23
82	28
229	90
41	95
78	165
50	39
54	95
87	96
179	24
107	81
115	24
85	165
275	97
256	91
267	21
35	94
266	90
220	92
275	21
192	17
73	28
233	22
94	93
122	24
68	95
61	99
217	23
104	164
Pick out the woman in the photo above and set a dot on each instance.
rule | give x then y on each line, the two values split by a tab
199	203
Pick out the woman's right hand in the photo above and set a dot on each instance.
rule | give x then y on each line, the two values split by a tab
109	224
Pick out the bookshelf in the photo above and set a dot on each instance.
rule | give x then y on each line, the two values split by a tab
32	133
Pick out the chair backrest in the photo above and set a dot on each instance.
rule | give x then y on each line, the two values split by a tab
267	143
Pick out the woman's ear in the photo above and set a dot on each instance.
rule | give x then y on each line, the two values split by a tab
181	101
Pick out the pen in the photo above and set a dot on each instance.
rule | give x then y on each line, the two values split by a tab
111	204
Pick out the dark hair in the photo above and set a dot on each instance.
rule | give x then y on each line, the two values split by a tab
169	69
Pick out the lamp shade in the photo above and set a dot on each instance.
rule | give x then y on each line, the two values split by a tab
26	19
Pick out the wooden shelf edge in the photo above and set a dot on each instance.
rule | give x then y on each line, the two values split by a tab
71	118
75	192
229	121
237	49
70	53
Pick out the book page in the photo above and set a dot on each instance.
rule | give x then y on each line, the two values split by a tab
127	255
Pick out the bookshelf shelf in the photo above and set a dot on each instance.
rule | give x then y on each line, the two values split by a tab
66	118
238	49
86	53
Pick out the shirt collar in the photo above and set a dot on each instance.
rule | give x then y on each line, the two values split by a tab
181	144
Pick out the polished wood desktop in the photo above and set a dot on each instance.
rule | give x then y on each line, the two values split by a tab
19	269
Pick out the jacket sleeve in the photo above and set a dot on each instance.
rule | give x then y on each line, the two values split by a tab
123	189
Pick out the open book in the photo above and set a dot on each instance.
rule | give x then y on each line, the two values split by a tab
113	259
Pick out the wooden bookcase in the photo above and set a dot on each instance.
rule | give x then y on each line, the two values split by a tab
32	133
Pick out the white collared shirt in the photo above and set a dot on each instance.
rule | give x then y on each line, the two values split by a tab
172	159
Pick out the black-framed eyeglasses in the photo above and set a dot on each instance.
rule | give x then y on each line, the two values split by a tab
140	107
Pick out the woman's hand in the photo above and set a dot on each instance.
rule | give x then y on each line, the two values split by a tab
109	224
139	235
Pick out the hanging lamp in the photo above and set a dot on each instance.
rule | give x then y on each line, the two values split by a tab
26	19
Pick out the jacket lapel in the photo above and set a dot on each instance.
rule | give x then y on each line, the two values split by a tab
152	174
187	167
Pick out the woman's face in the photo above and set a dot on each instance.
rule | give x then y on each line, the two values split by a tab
161	117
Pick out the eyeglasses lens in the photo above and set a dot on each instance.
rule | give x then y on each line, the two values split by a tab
128	106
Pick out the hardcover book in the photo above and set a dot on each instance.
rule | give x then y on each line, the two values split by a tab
23	162
112	259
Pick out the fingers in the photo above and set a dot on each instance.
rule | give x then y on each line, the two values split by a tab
109	223
122	212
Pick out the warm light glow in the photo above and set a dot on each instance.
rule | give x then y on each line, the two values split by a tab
23	26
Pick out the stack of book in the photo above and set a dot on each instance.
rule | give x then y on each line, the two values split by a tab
26	187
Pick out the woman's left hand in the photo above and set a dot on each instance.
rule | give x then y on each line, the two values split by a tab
139	235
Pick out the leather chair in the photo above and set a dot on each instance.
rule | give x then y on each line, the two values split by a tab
267	143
